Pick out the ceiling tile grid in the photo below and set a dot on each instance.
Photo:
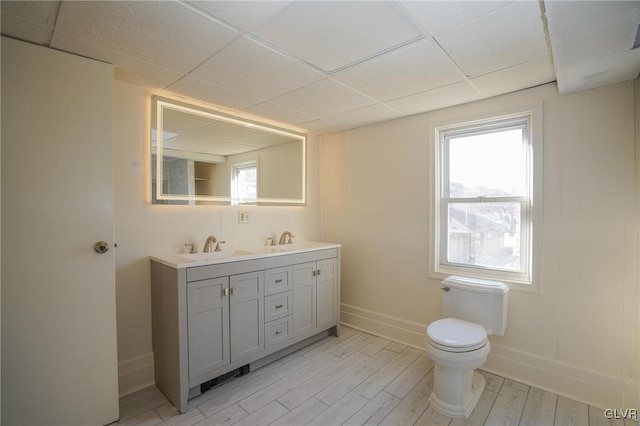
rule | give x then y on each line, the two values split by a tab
333	35
211	93
507	37
167	33
324	98
247	66
333	65
128	68
244	15
415	68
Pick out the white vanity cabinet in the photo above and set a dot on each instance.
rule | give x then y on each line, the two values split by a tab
213	319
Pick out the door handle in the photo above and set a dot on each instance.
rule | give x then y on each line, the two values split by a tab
101	247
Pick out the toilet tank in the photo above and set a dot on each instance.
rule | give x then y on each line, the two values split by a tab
483	302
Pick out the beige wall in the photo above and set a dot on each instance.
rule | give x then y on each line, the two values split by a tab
143	229
579	335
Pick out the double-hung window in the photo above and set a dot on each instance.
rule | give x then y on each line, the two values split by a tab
244	183
484	199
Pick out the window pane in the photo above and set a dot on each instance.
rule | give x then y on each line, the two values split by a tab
485	234
246	182
493	164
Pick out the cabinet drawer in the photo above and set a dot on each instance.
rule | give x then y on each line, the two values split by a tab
277	280
277	306
277	331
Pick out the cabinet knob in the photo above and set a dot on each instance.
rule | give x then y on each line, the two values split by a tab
279	332
278	306
279	280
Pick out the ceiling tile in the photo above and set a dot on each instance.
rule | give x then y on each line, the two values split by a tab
245	15
167	33
279	113
510	36
430	100
323	126
592	29
235	68
41	12
324	98
522	76
334	34
127	68
367	115
406	71
24	29
211	93
599	72
437	16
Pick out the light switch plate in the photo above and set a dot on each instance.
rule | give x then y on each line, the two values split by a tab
243	217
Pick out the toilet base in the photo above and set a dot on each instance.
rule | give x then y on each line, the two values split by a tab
460	409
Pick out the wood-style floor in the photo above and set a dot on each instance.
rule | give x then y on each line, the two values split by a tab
354	379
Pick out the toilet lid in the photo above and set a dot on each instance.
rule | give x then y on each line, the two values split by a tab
456	333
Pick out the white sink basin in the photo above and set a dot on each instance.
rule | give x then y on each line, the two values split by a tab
215	255
285	247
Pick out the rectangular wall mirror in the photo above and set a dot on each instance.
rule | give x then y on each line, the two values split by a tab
203	156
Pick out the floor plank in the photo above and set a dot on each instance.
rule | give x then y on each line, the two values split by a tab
140	402
433	418
348	382
410	377
228	416
375	345
311	387
274	391
388	373
355	379
375	410
540	408
265	415
341	411
508	406
408	411
302	414
570	412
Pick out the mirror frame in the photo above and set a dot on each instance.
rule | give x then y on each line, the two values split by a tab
158	104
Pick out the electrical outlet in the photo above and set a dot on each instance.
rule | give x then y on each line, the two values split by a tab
243	217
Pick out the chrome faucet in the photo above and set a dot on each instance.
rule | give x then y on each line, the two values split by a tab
286	238
208	244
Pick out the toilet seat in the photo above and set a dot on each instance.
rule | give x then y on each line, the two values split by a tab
455	335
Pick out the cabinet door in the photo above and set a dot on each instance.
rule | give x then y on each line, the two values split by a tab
326	287
247	314
304	299
208	323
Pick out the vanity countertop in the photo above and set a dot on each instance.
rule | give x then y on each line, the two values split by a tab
187	260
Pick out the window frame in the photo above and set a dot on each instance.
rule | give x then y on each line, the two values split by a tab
531	226
235	198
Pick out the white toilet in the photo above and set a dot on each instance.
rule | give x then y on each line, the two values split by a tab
458	344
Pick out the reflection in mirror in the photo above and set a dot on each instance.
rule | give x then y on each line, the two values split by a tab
202	156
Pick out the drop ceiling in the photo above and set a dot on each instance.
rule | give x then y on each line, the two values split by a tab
327	66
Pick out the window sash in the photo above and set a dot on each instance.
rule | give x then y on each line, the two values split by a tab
524	200
525	233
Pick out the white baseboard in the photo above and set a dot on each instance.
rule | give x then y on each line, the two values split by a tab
135	374
588	386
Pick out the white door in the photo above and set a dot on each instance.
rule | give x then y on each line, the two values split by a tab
59	350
